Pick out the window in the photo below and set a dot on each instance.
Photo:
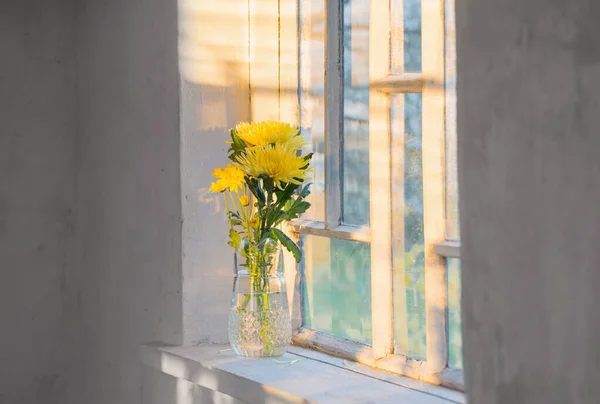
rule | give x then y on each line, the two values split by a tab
380	280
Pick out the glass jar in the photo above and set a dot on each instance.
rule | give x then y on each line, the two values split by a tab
259	320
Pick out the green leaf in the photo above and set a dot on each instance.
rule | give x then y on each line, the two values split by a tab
274	217
288	243
254	187
289	204
234	214
237	146
307	158
284	196
234	239
268	183
235	222
237	143
298	208
305	191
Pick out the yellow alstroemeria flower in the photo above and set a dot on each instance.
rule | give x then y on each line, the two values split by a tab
230	177
244	200
270	133
278	162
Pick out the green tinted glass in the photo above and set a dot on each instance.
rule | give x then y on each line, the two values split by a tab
454	323
337	287
407	227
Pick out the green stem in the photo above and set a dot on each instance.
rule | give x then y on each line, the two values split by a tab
247	215
259	262
266	213
226	204
246	301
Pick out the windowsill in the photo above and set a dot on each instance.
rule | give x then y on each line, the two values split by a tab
314	378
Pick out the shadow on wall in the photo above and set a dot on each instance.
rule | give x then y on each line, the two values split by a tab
229	53
213	59
243	55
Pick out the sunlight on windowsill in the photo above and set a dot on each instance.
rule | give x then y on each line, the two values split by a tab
300	376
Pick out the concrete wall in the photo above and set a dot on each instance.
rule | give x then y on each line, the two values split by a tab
100	219
129	201
213	60
38	302
529	177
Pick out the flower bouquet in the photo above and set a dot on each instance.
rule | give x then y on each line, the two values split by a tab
264	185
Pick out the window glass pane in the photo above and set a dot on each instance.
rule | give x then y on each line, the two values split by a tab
454	322
407	226
452	230
337	287
406	36
312	84
356	113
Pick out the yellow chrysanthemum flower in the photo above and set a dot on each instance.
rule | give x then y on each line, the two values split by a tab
277	162
230	177
255	222
270	132
244	200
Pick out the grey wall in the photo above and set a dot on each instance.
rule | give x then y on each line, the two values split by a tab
90	196
38	303
129	200
529	166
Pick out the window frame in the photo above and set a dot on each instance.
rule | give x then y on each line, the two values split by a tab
432	85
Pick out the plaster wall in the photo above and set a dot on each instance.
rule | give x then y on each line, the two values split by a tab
38	295
129	201
213	59
529	178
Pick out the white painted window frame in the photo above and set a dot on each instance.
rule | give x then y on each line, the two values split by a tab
431	83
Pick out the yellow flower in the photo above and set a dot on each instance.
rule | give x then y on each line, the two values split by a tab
230	177
270	132
244	200
280	163
255	222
